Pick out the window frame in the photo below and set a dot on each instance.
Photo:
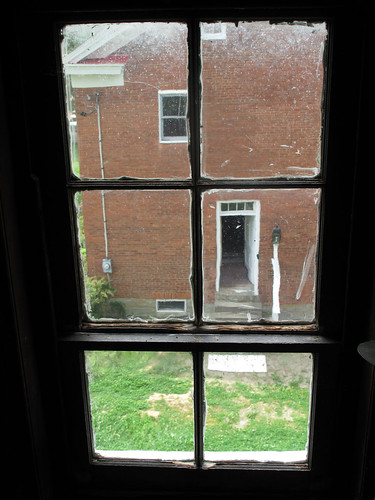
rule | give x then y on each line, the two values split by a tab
73	335
170	309
198	186
219	35
166	138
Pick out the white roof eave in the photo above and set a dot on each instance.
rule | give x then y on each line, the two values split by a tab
106	40
93	69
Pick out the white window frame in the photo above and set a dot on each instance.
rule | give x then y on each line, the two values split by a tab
161	301
169	139
220	35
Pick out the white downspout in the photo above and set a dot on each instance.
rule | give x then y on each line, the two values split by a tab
276	283
218	245
276	238
102	173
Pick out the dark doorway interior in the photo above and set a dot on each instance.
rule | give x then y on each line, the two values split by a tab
233	238
233	271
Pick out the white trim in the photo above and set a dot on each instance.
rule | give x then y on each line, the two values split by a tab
93	69
220	35
95	75
174	456
168	140
98	46
284	457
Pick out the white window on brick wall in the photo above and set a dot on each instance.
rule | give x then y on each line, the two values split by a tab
172	116
213	31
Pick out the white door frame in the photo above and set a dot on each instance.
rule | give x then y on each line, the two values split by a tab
234	207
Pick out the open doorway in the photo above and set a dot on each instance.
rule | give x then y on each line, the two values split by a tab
233	269
237	244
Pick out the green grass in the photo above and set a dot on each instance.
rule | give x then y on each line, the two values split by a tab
251	418
143	401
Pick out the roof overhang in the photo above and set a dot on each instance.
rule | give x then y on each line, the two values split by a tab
95	75
105	40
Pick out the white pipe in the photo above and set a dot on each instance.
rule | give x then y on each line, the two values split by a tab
276	283
102	173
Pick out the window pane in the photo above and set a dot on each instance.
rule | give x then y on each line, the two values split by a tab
174	105
258	406
262	89
141	404
174	127
136	252
260	263
114	73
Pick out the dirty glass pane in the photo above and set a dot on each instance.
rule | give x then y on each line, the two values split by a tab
136	254
262	94
174	105
259	254
141	404
258	406
174	127
114	74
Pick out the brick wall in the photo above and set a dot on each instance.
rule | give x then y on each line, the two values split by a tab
148	241
262	101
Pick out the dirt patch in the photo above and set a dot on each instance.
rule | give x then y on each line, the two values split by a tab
264	410
181	402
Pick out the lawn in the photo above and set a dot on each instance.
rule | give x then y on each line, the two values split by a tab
143	401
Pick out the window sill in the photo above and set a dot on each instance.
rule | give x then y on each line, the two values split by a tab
272	340
212	458
173	141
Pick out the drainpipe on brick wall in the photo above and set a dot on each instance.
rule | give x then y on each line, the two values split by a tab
102	173
276	237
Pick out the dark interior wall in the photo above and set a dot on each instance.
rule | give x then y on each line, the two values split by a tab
30	470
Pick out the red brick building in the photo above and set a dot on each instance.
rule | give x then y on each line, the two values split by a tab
261	118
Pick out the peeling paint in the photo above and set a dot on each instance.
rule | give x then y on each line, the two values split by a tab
312	170
225	163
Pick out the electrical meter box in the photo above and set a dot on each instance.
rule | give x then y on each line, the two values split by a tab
107	265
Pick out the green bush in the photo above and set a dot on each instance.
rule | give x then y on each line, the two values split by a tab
100	292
